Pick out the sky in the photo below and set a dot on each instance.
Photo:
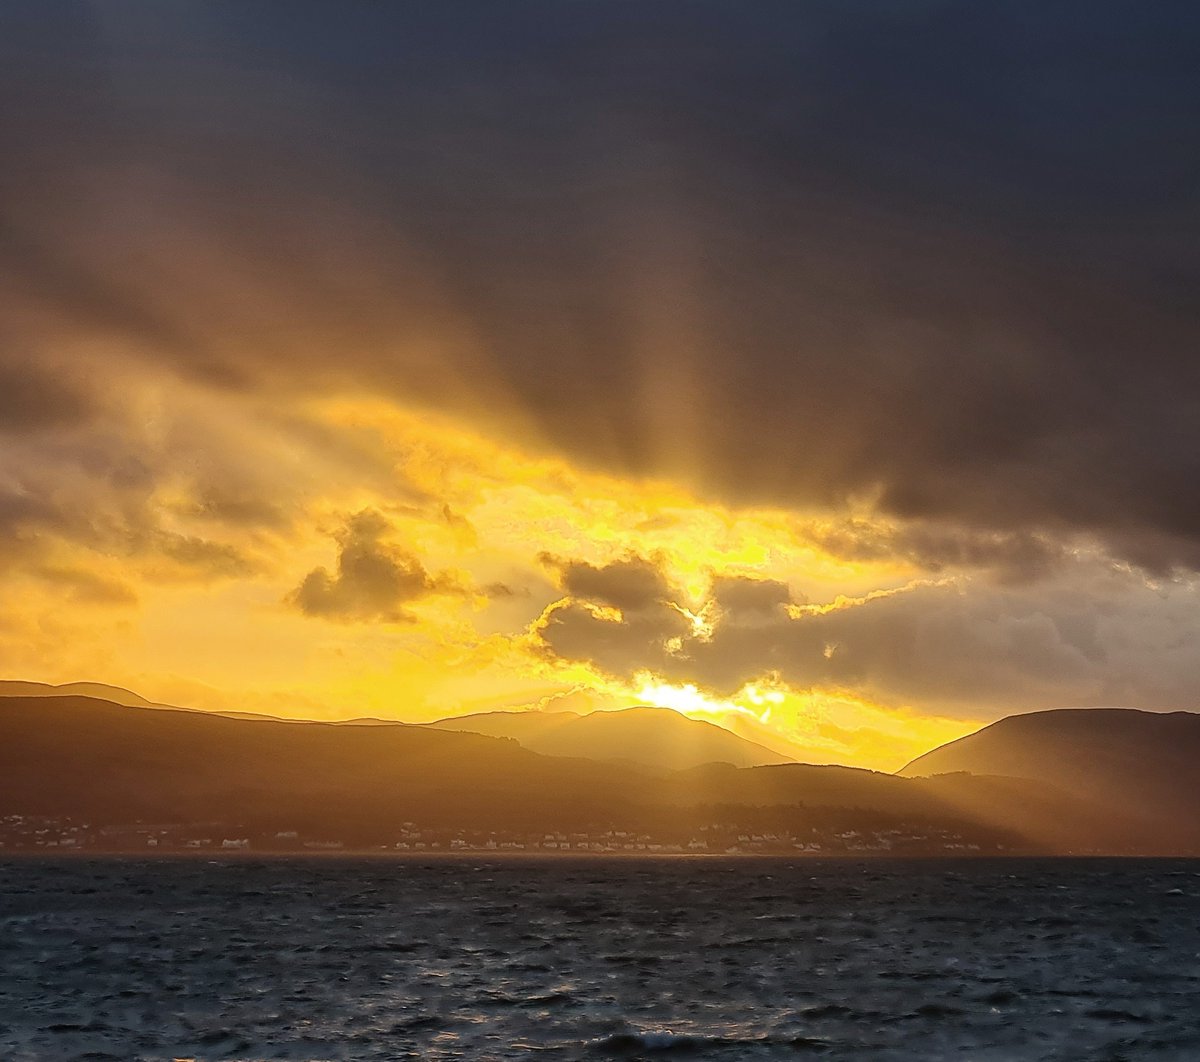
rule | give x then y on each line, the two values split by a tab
830	368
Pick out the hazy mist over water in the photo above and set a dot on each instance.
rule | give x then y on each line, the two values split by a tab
308	959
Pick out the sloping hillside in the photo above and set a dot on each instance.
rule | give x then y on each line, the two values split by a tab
107	762
93	761
1142	768
655	737
525	727
99	690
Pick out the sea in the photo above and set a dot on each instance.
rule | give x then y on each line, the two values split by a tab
598	958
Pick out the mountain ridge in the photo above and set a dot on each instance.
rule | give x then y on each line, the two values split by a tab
655	737
1126	762
99	690
78	759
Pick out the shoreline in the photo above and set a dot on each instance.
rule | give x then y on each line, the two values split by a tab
243	856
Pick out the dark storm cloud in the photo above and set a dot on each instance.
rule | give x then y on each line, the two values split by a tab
31	398
648	622
938	256
1010	556
220	504
1090	635
374	579
93	484
200	557
633	584
83	296
88	587
653	634
20	512
741	597
639	640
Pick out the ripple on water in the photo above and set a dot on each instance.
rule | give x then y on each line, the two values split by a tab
579	959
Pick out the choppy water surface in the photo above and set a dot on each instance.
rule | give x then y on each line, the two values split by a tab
594	959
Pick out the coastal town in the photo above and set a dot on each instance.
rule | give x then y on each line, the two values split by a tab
64	836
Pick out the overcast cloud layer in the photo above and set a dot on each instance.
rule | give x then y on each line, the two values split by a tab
943	253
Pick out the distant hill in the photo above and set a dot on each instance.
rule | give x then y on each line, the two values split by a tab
655	737
752	729
526	727
118	695
1141	768
105	764
115	694
111	763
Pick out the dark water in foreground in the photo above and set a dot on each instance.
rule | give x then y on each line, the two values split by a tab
592	959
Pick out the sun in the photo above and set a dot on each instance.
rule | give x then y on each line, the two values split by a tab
686	699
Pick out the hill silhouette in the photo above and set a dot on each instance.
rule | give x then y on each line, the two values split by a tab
105	764
99	690
111	763
655	737
1137	768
